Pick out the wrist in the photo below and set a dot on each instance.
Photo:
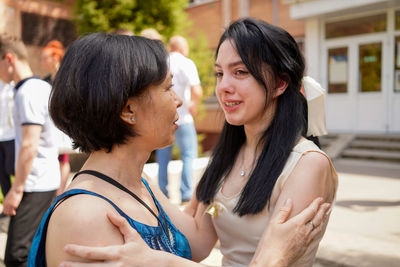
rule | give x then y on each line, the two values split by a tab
19	189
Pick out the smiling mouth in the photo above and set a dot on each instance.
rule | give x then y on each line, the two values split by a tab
231	104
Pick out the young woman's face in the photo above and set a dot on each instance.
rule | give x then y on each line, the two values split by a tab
241	97
156	114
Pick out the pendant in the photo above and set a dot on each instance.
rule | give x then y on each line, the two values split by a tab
242	173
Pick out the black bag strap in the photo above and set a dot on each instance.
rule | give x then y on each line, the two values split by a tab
123	188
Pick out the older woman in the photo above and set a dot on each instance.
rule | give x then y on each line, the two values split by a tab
113	97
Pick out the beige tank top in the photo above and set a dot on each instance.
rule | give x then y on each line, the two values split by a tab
239	236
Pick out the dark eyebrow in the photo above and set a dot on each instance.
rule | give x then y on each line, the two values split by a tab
233	64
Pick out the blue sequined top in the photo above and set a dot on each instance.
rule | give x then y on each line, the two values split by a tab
173	241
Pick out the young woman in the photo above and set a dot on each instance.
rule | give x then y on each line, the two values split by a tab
263	157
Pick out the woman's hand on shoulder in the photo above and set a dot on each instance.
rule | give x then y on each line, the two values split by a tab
285	240
80	219
134	252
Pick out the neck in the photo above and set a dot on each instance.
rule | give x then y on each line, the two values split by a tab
255	130
22	71
123	164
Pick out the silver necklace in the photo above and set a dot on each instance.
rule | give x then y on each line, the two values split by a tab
243	169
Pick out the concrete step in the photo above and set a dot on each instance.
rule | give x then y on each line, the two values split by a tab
368	167
371	154
381	137
373	144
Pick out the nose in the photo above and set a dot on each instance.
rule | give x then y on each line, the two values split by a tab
224	85
177	99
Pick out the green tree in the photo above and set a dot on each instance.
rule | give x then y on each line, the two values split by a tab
166	16
203	56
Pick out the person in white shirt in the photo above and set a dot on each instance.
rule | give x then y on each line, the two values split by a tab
7	136
186	84
37	174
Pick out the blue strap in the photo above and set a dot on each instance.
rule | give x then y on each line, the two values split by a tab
37	256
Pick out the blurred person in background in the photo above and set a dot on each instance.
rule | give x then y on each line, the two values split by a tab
52	55
7	136
186	83
151	34
37	172
123	32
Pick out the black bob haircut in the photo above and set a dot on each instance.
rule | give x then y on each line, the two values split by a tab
270	54
98	74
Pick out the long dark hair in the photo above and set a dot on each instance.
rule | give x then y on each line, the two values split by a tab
270	54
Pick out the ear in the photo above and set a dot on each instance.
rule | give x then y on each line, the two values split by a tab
129	112
281	87
10	58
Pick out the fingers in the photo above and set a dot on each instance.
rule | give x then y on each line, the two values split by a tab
92	253
309	213
284	211
320	219
130	234
10	211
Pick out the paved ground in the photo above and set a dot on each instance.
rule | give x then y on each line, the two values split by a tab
364	228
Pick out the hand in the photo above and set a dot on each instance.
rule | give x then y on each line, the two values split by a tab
284	242
12	201
135	252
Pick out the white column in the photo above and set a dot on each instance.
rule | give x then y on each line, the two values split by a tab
244	8
226	13
312	48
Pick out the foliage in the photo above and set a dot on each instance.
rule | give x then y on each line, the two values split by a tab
203	56
166	16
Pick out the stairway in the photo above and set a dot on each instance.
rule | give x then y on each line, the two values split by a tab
377	148
369	152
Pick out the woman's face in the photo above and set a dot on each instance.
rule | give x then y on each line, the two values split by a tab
156	114
241	97
48	61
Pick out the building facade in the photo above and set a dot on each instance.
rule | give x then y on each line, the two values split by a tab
37	22
353	49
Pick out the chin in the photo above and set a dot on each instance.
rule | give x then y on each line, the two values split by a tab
234	122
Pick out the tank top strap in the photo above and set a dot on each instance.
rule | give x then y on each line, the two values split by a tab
119	186
72	192
153	196
162	216
166	219
37	256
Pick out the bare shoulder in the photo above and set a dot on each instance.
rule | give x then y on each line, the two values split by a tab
315	162
312	177
81	219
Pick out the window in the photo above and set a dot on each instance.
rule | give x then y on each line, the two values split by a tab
363	25
397	20
397	64
337	70
370	64
38	30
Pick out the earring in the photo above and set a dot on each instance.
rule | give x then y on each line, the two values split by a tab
133	119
